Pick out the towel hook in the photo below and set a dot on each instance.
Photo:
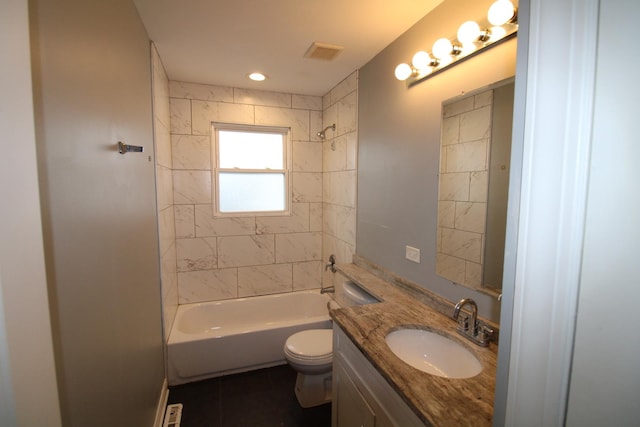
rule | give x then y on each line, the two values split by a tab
125	148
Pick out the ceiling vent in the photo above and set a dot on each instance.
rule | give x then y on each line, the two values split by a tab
323	51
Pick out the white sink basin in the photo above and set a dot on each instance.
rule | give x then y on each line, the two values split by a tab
433	353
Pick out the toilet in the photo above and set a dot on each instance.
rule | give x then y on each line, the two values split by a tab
310	353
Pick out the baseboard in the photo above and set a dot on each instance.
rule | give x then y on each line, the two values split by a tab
162	404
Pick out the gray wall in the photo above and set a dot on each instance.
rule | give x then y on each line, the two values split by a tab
91	63
399	147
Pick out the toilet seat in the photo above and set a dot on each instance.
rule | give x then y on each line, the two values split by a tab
310	347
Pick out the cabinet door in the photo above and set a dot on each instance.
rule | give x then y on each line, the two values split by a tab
373	393
351	408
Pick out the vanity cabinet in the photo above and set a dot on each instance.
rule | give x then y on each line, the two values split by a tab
361	396
353	407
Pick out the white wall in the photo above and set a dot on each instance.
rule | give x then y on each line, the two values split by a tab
28	393
164	189
573	358
553	107
221	258
605	374
339	164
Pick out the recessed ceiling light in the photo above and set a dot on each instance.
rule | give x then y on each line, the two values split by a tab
257	77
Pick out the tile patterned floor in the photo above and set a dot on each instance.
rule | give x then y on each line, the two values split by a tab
262	398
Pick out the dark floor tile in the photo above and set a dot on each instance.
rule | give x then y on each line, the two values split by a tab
201	403
291	414
257	381
261	398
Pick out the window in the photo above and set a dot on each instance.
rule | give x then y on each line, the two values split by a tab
251	172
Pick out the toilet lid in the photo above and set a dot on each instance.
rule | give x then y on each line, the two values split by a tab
310	344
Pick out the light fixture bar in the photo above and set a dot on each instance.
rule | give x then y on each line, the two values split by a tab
471	39
419	76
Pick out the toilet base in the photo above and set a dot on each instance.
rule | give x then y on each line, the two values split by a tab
313	390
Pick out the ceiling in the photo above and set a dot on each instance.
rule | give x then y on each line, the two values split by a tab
220	42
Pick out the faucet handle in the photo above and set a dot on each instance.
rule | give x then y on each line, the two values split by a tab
485	333
331	264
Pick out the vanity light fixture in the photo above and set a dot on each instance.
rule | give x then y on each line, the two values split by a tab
257	77
472	38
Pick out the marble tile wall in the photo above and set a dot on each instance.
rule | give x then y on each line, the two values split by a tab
164	188
221	258
340	157
464	163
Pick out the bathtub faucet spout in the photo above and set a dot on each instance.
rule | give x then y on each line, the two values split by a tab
327	290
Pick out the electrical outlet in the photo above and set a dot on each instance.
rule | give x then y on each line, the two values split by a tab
412	254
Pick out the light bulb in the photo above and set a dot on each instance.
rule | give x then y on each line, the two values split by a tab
422	60
469	32
442	48
497	33
257	77
403	71
501	12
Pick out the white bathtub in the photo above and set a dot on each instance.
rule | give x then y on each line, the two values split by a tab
224	337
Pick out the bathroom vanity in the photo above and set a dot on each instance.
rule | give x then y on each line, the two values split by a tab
374	387
361	396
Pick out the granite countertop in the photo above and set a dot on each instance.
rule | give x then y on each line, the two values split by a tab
435	400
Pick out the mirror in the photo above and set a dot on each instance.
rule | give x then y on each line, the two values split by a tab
475	149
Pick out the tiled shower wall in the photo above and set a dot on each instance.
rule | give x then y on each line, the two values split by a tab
206	258
462	200
339	155
221	258
164	184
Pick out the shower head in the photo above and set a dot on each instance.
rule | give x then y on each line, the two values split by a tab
321	134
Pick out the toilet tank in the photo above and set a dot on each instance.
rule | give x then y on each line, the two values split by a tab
348	293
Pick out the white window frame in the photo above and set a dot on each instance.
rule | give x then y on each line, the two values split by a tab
216	169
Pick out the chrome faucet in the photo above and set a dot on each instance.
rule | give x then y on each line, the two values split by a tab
471	328
331	267
474	313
